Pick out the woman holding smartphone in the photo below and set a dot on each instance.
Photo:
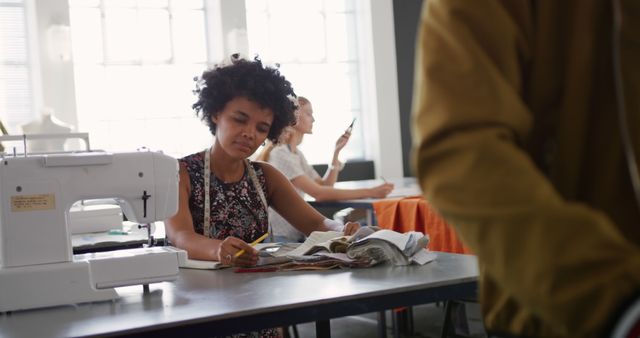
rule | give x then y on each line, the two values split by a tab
286	157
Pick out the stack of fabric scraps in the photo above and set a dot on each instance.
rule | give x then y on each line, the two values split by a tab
323	261
331	249
322	250
320	241
392	246
274	253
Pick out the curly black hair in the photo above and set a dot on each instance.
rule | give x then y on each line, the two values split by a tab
250	79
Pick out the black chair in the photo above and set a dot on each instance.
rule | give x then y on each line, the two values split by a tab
354	170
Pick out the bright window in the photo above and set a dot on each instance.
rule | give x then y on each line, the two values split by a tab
16	90
315	42
134	64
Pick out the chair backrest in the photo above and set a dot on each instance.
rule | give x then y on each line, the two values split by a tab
353	170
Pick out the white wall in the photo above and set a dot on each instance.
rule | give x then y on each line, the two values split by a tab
380	75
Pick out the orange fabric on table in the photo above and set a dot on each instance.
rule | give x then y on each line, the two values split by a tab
414	214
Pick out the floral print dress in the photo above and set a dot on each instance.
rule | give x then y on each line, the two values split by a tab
236	209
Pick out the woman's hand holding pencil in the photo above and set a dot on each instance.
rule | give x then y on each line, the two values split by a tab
236	252
260	239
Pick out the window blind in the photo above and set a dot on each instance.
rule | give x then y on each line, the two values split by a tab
16	106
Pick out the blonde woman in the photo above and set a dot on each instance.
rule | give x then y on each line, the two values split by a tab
287	157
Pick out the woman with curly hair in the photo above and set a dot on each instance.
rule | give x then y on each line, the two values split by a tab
224	197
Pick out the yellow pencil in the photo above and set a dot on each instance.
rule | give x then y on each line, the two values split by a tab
239	253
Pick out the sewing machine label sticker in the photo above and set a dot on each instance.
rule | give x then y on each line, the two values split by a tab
33	202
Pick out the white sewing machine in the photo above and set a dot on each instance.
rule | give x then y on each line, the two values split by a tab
37	267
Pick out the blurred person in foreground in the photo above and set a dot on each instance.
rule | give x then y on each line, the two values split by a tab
517	143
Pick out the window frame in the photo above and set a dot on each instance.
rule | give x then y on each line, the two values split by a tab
105	66
353	67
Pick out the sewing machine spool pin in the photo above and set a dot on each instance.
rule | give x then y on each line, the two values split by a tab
150	239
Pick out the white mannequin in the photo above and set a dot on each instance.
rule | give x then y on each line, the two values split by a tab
47	124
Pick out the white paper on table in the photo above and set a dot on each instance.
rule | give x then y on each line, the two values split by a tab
423	257
202	265
405	191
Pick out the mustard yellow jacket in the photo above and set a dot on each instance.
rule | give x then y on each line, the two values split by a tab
517	145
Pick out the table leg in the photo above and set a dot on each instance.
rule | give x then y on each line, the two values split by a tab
323	329
370	217
404	320
410	320
382	324
396	324
446	322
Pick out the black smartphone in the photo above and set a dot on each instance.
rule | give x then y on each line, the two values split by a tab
350	127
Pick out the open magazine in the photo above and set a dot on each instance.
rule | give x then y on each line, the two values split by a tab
320	241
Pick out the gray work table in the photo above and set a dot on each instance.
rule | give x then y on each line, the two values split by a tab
403	187
206	303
